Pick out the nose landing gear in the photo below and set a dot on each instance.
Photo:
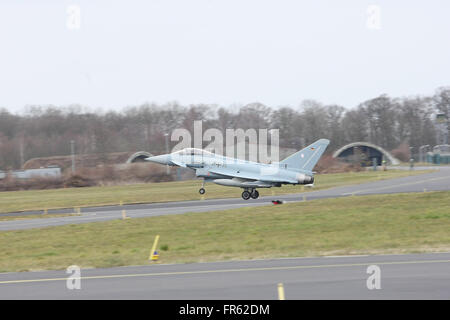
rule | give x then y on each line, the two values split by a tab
202	189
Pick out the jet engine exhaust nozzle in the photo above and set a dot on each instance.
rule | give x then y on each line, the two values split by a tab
304	179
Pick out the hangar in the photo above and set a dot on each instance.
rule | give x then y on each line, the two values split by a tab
139	157
364	153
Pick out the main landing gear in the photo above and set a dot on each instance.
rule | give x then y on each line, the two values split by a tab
253	193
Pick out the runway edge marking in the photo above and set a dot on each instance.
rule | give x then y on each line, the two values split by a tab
226	271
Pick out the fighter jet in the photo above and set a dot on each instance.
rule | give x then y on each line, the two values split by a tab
248	175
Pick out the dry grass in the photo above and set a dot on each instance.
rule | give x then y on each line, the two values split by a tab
88	177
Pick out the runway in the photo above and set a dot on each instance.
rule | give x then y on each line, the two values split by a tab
438	180
415	276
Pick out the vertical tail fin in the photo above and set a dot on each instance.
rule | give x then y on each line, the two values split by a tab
306	158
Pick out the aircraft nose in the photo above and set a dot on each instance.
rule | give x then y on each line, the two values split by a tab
161	159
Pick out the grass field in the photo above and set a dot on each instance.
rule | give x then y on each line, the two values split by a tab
353	225
166	191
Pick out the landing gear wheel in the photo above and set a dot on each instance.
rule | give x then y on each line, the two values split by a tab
245	195
255	194
202	191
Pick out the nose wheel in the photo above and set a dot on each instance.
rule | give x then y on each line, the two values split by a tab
202	189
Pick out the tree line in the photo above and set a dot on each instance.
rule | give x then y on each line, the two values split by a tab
42	131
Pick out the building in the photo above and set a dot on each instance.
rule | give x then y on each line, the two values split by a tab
439	155
364	153
50	172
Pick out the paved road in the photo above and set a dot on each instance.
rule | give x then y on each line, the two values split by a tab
434	181
416	276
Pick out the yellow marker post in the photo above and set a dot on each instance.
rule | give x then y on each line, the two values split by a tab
121	203
124	215
152	253
280	292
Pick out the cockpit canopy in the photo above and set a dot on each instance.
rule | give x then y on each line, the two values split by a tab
193	152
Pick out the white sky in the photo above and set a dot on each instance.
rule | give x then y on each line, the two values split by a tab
225	52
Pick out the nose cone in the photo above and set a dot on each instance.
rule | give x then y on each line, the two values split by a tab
162	159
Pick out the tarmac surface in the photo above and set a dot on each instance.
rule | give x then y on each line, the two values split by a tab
438	180
414	276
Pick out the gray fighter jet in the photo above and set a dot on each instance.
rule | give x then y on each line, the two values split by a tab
248	175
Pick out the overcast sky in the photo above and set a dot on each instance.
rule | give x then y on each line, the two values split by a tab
279	52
